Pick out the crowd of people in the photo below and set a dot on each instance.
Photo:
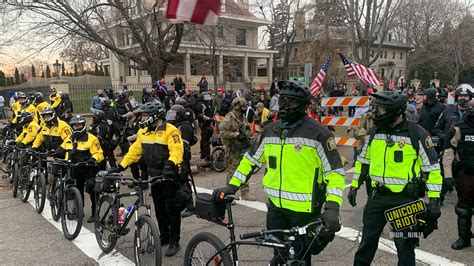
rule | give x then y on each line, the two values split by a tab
304	176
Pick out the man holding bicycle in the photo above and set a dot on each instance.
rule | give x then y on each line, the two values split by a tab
160	147
303	170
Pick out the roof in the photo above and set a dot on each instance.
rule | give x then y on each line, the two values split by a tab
237	11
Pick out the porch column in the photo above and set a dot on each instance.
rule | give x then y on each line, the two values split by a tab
187	66
245	68
270	68
221	69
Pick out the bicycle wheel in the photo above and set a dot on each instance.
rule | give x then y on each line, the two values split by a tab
56	199
24	184
72	214
104	224
218	159
202	250
15	179
40	192
147	245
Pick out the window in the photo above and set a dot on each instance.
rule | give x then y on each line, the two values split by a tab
240	37
295	52
385	54
389	37
393	55
372	53
383	73
401	55
220	32
132	7
381	54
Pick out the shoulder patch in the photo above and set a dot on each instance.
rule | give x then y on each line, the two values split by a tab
331	144
176	139
429	142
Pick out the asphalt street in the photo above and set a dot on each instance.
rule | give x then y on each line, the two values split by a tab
28	238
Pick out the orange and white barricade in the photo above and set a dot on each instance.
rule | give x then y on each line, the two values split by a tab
336	121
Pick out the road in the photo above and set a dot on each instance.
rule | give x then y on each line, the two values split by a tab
31	239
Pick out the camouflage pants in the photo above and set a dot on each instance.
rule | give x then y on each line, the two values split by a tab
233	161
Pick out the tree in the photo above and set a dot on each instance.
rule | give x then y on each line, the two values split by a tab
369	23
17	76
23	78
33	71
76	73
63	70
10	81
3	80
48	72
114	24
42	74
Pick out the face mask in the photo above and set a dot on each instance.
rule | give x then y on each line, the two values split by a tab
463	102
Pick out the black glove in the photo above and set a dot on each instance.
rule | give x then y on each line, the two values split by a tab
352	196
219	194
331	216
117	169
21	145
169	171
449	184
92	161
434	211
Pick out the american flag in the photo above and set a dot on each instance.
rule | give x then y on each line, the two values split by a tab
391	84
366	74
315	88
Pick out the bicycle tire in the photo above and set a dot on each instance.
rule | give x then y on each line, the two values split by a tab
40	192
15	180
105	220
218	160
78	215
155	241
223	258
23	184
56	200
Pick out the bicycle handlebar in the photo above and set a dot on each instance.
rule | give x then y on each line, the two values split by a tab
120	177
295	231
69	163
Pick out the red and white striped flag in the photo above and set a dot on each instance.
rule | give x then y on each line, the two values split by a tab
196	11
316	85
391	84
366	74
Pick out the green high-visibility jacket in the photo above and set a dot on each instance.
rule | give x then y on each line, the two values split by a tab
395	166
299	162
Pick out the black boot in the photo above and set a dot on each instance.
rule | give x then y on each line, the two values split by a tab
172	249
461	243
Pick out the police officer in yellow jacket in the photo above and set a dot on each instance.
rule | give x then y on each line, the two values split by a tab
30	129
303	168
53	133
55	99
160	147
395	154
40	104
82	146
26	106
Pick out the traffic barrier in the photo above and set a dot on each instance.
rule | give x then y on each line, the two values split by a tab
346	141
340	121
345	101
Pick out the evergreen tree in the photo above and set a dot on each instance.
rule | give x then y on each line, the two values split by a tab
106	71
75	70
17	76
3	81
12	80
42	74
48	72
9	81
23	78
63	70
33	71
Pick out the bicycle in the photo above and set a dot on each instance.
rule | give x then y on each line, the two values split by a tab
109	227
218	160
220	254
13	166
37	177
65	199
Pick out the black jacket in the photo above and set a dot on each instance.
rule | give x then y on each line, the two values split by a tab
429	115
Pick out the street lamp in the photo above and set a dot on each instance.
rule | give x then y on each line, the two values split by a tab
56	66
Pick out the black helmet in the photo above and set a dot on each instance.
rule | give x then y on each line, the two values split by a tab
53	91
23	99
53	120
38	97
205	96
181	101
293	101
154	109
388	105
109	92
176	114
25	118
121	96
430	96
98	115
78	132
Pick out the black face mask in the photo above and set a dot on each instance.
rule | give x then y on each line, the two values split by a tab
291	110
383	118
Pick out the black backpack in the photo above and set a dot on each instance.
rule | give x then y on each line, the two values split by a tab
225	106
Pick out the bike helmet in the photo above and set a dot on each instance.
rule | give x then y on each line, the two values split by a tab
49	116
78	125
23	99
98	115
387	106
293	101
25	118
154	110
176	114
463	90
38	98
53	91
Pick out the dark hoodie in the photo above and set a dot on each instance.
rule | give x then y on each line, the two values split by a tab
431	111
